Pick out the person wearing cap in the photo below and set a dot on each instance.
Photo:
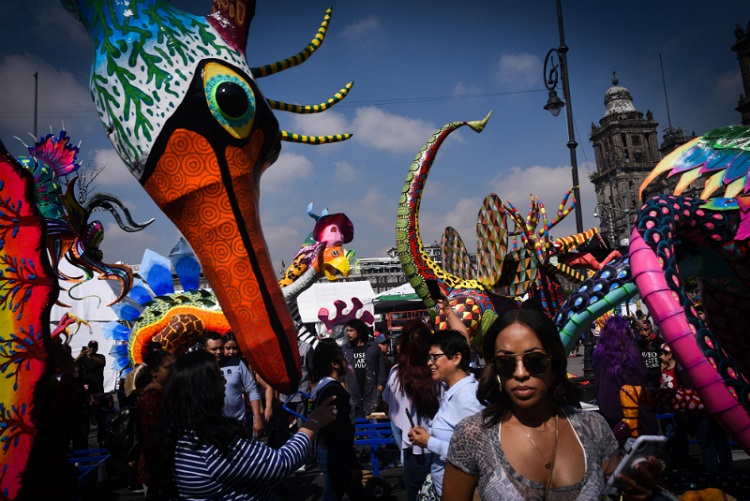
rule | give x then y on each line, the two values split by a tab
384	343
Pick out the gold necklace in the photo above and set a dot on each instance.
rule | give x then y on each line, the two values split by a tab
551	464
526	431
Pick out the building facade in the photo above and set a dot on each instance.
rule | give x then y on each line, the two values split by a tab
386	272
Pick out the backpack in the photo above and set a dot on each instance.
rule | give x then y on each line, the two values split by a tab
122	440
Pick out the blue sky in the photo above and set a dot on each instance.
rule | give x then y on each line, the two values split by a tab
416	66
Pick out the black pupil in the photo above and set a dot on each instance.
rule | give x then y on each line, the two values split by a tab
232	99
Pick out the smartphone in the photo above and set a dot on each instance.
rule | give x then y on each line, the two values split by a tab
434	288
408	415
638	451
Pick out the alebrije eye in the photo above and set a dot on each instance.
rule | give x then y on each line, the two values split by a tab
230	99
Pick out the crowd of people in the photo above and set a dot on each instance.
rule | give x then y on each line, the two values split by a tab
508	428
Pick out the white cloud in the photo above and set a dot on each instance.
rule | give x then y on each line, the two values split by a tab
283	241
320	124
518	71
114	172
345	172
373	207
289	168
362	28
549	184
381	130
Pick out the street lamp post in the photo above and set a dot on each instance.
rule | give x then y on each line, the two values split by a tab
555	105
610	221
602	210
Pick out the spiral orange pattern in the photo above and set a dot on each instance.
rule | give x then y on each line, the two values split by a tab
188	186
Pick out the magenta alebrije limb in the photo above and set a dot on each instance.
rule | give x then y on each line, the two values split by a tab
660	219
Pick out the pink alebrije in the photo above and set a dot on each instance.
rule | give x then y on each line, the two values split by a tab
710	344
712	362
686	213
693	329
675	206
710	226
664	210
731	373
676	280
700	213
661	262
650	224
667	253
718	217
716	238
733	392
656	238
652	213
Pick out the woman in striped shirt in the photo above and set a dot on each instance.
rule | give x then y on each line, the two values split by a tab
199	453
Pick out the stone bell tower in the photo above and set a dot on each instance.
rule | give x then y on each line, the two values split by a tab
626	149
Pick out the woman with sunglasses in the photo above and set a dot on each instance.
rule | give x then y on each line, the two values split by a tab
531	441
448	362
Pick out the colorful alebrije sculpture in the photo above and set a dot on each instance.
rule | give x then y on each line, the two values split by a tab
322	255
676	237
479	303
184	112
154	311
70	234
39	227
28	289
502	275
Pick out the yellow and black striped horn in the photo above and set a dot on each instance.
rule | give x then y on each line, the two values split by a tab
300	57
299	138
312	108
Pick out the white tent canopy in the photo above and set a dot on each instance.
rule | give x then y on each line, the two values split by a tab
96	295
403	291
323	296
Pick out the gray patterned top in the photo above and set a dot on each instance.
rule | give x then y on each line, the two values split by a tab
475	449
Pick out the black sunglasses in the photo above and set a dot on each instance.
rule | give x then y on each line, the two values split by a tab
536	362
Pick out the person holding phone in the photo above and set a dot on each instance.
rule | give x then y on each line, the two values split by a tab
412	398
199	452
532	441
